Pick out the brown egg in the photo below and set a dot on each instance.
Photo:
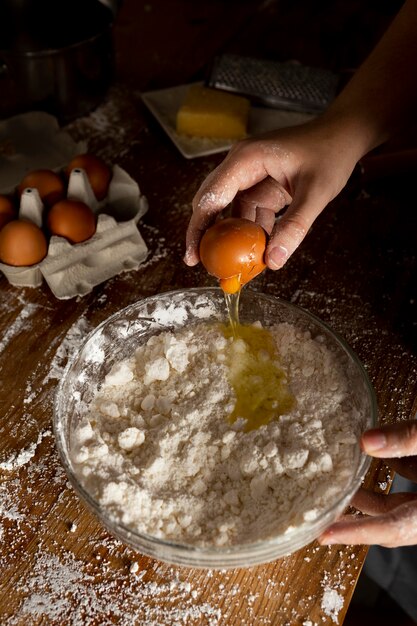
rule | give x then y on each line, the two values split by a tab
49	185
73	220
22	243
98	173
233	250
7	211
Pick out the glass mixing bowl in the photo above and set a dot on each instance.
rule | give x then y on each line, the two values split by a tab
119	336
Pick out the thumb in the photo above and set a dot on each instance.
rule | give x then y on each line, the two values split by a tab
395	440
292	227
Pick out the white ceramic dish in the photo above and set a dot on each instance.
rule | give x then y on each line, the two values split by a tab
164	104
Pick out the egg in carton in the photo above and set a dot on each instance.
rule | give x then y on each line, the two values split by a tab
72	270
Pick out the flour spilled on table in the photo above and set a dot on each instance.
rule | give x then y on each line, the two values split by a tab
118	585
62	588
17	459
71	342
158	453
20	322
332	603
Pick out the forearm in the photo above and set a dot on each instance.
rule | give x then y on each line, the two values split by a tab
382	95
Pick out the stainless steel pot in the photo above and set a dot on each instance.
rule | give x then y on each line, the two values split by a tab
55	56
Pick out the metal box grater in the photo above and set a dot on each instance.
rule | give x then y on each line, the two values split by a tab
281	85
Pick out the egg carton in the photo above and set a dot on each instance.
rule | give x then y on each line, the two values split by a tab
117	246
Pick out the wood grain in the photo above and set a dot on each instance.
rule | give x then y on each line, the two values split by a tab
356	270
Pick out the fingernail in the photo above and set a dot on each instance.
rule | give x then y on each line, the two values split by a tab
190	258
277	257
374	440
187	257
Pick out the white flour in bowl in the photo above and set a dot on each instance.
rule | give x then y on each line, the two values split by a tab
157	451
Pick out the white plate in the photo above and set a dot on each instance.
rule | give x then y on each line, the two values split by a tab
165	103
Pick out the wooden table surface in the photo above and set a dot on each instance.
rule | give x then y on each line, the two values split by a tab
356	270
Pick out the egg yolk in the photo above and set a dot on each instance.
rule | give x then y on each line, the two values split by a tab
260	385
232	250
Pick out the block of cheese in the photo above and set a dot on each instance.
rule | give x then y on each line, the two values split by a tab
211	113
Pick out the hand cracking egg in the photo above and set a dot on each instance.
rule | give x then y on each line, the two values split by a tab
233	250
